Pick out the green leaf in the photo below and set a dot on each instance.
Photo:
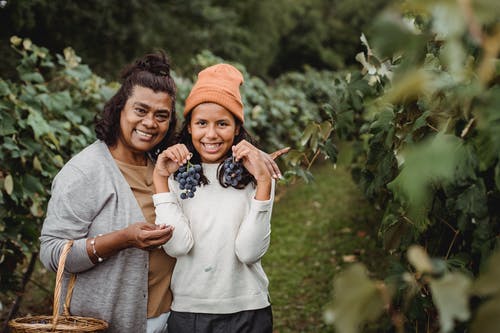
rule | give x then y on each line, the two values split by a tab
356	300
38	124
325	128
451	297
307	134
4	88
425	164
7	124
32	77
36	164
8	184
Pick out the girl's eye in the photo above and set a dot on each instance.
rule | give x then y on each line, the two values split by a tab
201	122
223	124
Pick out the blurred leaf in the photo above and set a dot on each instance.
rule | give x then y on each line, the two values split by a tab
486	317
408	87
487	282
356	300
430	162
36	164
451	297
308	132
417	256
325	128
32	77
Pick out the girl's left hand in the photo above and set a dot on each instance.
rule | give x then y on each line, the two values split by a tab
252	160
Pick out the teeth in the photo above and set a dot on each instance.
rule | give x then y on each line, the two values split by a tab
144	133
211	146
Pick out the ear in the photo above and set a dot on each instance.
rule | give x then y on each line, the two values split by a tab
189	128
237	130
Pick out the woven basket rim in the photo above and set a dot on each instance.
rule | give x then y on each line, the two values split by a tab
64	323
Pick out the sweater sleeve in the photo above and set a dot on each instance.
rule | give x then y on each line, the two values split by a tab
254	234
70	211
168	211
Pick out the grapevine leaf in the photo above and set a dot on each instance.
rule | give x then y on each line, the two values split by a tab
36	164
8	184
32	77
356	300
408	87
325	128
425	164
307	134
4	88
450	294
38	124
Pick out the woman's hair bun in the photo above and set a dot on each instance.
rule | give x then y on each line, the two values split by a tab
155	63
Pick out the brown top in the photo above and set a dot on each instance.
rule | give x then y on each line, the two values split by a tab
140	179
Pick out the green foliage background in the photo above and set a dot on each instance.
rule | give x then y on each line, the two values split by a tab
421	110
269	37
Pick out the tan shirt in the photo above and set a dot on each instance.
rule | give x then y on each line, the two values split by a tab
140	179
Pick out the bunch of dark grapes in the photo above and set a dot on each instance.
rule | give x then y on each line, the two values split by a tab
233	172
188	176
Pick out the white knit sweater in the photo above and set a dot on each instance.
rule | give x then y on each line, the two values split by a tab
219	238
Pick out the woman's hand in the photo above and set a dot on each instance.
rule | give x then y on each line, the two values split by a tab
148	236
142	235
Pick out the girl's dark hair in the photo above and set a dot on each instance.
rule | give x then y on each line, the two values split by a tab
151	71
185	137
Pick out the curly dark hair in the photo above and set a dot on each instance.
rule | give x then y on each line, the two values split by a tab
185	137
150	71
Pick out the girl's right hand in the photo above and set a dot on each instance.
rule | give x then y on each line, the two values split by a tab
171	159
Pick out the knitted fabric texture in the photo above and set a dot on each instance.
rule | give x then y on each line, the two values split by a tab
218	84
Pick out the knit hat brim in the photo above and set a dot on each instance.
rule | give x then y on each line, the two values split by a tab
217	84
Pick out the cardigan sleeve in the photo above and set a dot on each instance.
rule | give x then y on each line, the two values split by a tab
73	205
254	234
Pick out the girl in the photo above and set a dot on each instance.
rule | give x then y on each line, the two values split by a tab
223	229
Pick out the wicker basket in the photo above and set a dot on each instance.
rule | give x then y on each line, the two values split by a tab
64	323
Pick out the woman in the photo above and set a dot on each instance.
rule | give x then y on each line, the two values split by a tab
222	227
101	199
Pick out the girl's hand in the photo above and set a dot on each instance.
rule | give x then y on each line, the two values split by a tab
170	160
253	160
271	164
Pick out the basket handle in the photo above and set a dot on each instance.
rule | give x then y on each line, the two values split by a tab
58	286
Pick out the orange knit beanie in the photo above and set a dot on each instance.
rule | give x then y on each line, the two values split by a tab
218	84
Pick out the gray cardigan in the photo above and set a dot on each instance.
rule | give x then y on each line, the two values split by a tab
90	196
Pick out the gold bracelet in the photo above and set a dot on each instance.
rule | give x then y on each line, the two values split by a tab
92	243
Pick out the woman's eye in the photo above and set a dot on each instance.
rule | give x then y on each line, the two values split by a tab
140	111
162	117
